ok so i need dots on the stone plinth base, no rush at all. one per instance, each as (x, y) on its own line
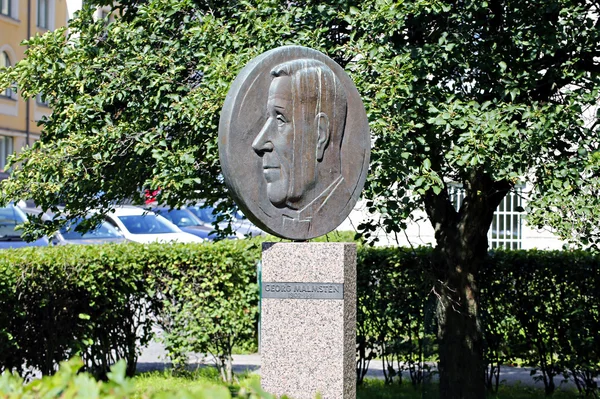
(308, 320)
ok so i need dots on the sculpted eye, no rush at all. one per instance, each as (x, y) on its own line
(280, 120)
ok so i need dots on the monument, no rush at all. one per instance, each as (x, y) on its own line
(294, 148)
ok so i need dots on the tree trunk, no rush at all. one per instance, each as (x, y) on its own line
(459, 332)
(461, 250)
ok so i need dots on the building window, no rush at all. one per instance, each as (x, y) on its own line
(41, 100)
(506, 230)
(104, 14)
(6, 149)
(42, 13)
(5, 7)
(5, 63)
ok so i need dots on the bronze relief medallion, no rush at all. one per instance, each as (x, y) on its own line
(294, 142)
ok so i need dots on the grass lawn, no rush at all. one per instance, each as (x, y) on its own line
(153, 382)
(149, 383)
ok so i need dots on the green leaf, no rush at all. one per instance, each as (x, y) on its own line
(427, 164)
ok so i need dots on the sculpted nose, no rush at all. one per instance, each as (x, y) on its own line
(262, 142)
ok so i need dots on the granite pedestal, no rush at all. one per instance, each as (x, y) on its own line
(308, 320)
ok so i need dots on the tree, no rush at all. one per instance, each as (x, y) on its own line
(136, 103)
(495, 99)
(485, 94)
(137, 100)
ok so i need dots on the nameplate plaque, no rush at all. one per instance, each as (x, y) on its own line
(302, 290)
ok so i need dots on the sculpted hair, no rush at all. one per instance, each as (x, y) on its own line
(314, 82)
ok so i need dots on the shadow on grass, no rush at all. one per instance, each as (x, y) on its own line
(159, 381)
(376, 389)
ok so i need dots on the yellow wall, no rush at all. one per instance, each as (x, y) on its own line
(15, 121)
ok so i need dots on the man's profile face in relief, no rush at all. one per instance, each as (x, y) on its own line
(300, 141)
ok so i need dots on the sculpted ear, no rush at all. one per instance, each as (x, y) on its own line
(322, 122)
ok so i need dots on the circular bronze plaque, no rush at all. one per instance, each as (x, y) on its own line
(294, 142)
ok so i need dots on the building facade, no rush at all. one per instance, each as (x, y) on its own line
(509, 227)
(19, 20)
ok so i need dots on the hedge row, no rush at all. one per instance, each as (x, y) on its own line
(539, 308)
(395, 313)
(100, 302)
(543, 308)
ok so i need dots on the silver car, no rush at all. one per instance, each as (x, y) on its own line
(102, 234)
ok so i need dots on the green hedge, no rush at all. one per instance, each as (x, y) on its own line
(208, 297)
(539, 308)
(63, 301)
(543, 308)
(100, 302)
(395, 312)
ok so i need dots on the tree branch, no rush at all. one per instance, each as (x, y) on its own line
(440, 210)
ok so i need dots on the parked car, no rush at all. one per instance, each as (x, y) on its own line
(139, 225)
(33, 211)
(241, 226)
(244, 226)
(187, 221)
(102, 234)
(10, 217)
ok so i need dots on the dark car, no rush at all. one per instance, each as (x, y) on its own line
(188, 222)
(10, 217)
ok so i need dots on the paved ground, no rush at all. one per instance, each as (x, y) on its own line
(154, 358)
